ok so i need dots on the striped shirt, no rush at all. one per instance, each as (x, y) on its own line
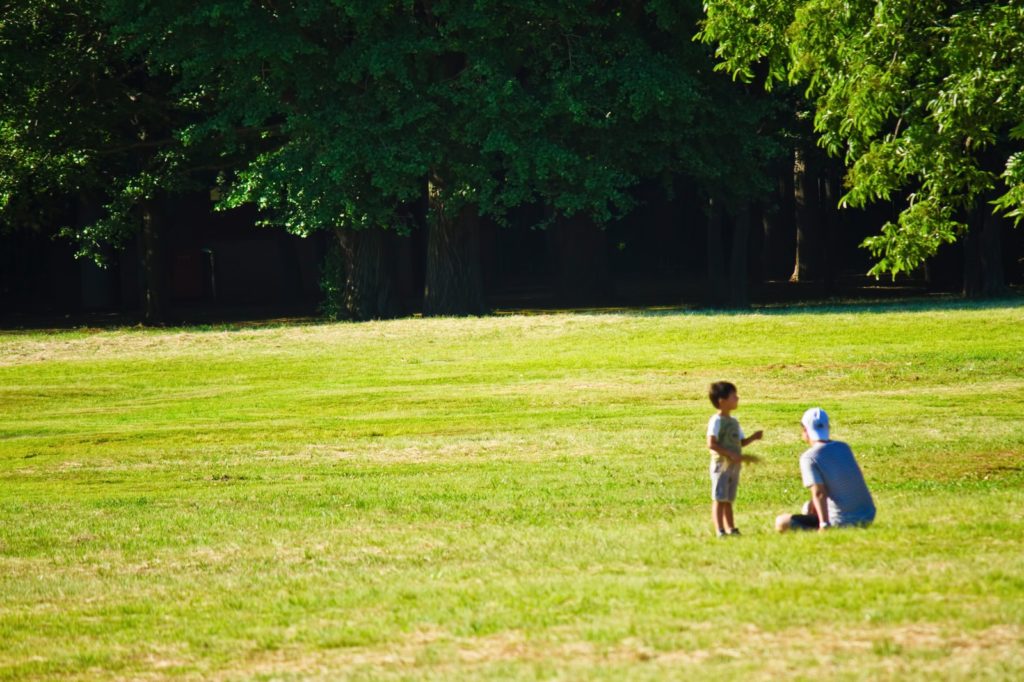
(832, 464)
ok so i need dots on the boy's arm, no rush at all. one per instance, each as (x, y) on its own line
(757, 435)
(714, 446)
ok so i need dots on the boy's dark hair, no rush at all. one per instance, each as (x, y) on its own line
(719, 390)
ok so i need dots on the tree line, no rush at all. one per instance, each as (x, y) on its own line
(358, 117)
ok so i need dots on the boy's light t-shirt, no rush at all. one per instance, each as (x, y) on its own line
(728, 432)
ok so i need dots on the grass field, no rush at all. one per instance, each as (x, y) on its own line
(520, 497)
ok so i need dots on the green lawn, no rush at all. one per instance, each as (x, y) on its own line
(518, 497)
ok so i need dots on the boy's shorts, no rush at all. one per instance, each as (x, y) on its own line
(725, 480)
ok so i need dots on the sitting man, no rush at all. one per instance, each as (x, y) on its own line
(839, 495)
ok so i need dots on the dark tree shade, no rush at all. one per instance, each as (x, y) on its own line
(484, 105)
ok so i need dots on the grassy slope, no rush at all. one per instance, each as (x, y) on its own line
(518, 497)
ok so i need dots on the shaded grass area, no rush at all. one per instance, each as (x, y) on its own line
(521, 497)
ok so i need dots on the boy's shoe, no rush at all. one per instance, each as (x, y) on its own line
(722, 534)
(734, 531)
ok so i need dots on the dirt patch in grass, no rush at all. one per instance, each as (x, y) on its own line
(389, 453)
(295, 339)
(133, 343)
(973, 466)
(915, 651)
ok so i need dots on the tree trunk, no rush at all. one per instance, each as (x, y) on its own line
(369, 291)
(453, 282)
(993, 279)
(582, 260)
(807, 214)
(98, 285)
(983, 254)
(739, 286)
(152, 275)
(778, 242)
(829, 221)
(972, 259)
(716, 292)
(755, 266)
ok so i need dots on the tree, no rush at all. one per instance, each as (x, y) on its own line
(745, 141)
(81, 123)
(480, 105)
(921, 99)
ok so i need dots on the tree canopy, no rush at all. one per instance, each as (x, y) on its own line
(357, 108)
(80, 121)
(923, 100)
(568, 103)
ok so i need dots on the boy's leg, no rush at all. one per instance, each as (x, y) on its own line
(732, 482)
(718, 516)
(719, 491)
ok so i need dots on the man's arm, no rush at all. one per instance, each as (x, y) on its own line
(715, 446)
(819, 498)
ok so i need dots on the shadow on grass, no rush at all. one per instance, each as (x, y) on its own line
(944, 302)
(833, 306)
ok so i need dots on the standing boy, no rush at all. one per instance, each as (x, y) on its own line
(726, 442)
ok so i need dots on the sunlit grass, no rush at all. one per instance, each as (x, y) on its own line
(520, 497)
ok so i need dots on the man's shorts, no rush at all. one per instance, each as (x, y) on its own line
(811, 522)
(725, 480)
(804, 522)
